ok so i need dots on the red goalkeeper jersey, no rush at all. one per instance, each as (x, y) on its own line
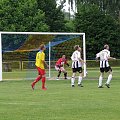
(61, 62)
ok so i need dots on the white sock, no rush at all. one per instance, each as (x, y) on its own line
(72, 80)
(100, 81)
(79, 80)
(109, 79)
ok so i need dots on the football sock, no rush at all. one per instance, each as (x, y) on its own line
(100, 81)
(65, 75)
(79, 80)
(72, 80)
(109, 79)
(37, 79)
(43, 82)
(59, 73)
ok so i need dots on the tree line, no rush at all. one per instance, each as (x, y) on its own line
(111, 7)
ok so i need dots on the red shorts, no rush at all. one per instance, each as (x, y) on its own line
(41, 71)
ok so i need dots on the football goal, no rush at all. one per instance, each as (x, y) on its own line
(18, 51)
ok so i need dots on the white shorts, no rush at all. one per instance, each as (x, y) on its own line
(59, 68)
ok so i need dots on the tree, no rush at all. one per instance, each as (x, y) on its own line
(53, 15)
(21, 15)
(100, 29)
(12, 42)
(111, 7)
(70, 26)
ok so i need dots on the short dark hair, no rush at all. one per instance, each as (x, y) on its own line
(42, 46)
(76, 47)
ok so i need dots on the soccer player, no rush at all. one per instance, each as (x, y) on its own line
(104, 57)
(77, 63)
(59, 66)
(40, 62)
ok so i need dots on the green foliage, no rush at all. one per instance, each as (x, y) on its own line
(21, 15)
(34, 41)
(70, 26)
(21, 45)
(65, 48)
(53, 15)
(100, 29)
(111, 7)
(12, 42)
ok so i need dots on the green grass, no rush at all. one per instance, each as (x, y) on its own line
(60, 102)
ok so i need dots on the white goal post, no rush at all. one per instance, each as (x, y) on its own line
(44, 33)
(0, 58)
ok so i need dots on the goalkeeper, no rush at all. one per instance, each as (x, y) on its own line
(59, 66)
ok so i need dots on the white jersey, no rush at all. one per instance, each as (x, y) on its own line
(103, 55)
(76, 56)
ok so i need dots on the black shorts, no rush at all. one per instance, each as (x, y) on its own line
(77, 70)
(106, 69)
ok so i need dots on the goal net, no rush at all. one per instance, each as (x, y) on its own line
(18, 51)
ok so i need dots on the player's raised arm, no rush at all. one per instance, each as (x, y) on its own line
(111, 58)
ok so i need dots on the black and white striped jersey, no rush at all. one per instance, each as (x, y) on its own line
(103, 55)
(76, 56)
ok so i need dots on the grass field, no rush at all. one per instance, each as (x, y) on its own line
(60, 102)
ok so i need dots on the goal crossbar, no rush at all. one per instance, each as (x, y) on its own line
(44, 33)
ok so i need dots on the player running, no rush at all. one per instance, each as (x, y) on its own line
(59, 66)
(77, 64)
(104, 57)
(40, 62)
